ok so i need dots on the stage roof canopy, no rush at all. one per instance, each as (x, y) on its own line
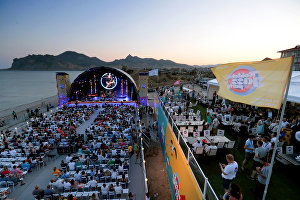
(103, 84)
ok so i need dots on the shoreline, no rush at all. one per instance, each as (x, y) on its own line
(6, 114)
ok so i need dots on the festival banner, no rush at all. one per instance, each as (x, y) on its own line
(259, 84)
(162, 125)
(153, 72)
(182, 182)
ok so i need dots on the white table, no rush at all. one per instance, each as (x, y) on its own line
(190, 123)
(192, 140)
(217, 139)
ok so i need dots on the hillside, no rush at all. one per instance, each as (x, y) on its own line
(71, 60)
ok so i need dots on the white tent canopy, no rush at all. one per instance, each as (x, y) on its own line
(294, 91)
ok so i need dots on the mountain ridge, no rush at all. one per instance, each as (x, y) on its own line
(71, 60)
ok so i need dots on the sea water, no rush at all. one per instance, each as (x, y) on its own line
(23, 87)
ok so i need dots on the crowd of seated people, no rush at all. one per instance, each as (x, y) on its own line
(244, 119)
(27, 149)
(255, 127)
(100, 166)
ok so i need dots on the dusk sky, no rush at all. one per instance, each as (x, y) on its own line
(190, 32)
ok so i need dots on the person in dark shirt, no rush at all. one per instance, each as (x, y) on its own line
(38, 191)
(49, 191)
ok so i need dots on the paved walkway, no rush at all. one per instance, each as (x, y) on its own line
(43, 176)
(136, 177)
(86, 124)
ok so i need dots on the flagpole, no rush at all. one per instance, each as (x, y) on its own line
(278, 132)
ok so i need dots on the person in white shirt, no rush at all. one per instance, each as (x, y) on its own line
(68, 158)
(267, 143)
(67, 184)
(284, 123)
(120, 168)
(4, 153)
(215, 125)
(13, 152)
(104, 189)
(273, 137)
(123, 153)
(212, 145)
(113, 152)
(209, 110)
(118, 188)
(59, 184)
(114, 174)
(196, 145)
(92, 183)
(71, 166)
(228, 171)
(77, 176)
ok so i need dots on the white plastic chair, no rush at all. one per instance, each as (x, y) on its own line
(212, 152)
(206, 133)
(199, 150)
(220, 145)
(220, 132)
(191, 129)
(196, 134)
(289, 150)
(229, 145)
(185, 133)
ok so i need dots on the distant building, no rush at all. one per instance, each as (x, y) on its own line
(293, 51)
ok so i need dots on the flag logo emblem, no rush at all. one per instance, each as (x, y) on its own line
(244, 80)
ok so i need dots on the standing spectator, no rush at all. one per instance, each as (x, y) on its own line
(266, 143)
(209, 121)
(131, 196)
(284, 123)
(286, 134)
(260, 126)
(137, 152)
(260, 153)
(214, 97)
(249, 151)
(14, 115)
(228, 171)
(234, 192)
(261, 179)
(215, 125)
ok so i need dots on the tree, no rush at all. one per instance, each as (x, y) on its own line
(124, 68)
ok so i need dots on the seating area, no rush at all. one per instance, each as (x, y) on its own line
(100, 165)
(30, 148)
(192, 128)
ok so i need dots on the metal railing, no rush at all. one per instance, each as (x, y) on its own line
(142, 153)
(203, 183)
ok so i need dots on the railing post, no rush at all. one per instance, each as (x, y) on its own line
(205, 188)
(188, 158)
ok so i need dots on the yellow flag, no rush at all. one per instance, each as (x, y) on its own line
(259, 84)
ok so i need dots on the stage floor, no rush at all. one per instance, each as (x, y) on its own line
(100, 103)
